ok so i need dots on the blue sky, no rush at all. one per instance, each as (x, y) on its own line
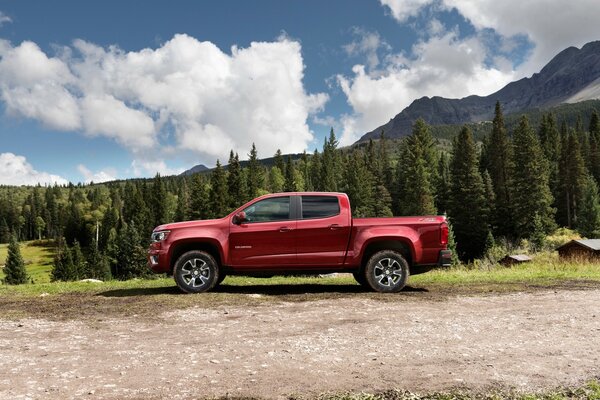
(104, 90)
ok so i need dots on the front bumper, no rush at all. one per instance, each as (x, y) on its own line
(158, 259)
(445, 258)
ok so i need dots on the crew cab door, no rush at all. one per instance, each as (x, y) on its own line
(323, 230)
(268, 236)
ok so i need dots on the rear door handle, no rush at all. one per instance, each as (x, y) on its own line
(285, 229)
(333, 227)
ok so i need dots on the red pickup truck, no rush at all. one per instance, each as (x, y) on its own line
(299, 233)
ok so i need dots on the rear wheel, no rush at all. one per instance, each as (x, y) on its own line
(387, 271)
(196, 272)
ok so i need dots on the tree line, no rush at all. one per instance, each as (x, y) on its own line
(516, 185)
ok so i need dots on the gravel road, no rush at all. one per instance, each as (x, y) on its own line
(525, 341)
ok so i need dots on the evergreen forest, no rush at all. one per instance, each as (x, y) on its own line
(516, 183)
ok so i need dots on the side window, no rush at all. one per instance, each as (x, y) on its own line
(273, 209)
(319, 206)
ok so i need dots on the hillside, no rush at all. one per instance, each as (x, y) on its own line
(571, 76)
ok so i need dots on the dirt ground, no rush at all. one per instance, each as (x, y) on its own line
(524, 341)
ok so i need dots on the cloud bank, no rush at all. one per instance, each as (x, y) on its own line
(185, 96)
(17, 171)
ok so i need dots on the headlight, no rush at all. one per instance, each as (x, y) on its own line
(159, 236)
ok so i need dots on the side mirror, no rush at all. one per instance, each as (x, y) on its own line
(239, 218)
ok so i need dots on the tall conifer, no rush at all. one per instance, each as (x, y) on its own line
(501, 170)
(235, 182)
(530, 183)
(290, 176)
(219, 196)
(200, 198)
(255, 174)
(468, 207)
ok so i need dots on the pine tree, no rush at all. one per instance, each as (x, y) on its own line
(378, 163)
(571, 181)
(452, 244)
(135, 208)
(236, 182)
(278, 160)
(359, 186)
(330, 171)
(199, 201)
(98, 264)
(131, 256)
(63, 268)
(589, 210)
(538, 236)
(501, 168)
(595, 146)
(290, 176)
(304, 170)
(443, 184)
(385, 164)
(14, 270)
(490, 196)
(79, 262)
(255, 174)
(158, 201)
(468, 207)
(315, 172)
(182, 212)
(531, 193)
(218, 197)
(418, 175)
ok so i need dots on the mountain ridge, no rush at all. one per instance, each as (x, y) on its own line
(573, 75)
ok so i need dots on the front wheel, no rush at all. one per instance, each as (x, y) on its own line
(196, 272)
(361, 279)
(387, 271)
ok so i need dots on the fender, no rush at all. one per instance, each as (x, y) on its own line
(364, 237)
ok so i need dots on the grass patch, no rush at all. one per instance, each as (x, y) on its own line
(545, 269)
(38, 256)
(588, 391)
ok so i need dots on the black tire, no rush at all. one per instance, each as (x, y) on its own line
(222, 277)
(196, 272)
(361, 279)
(387, 271)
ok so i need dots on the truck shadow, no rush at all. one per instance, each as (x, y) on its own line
(266, 290)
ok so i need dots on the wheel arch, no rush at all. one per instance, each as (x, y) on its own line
(182, 247)
(403, 247)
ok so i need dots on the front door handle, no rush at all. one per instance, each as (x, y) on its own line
(333, 227)
(285, 229)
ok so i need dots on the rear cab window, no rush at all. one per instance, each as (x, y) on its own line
(320, 207)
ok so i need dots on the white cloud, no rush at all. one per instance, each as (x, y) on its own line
(186, 94)
(442, 66)
(109, 174)
(17, 171)
(151, 168)
(551, 25)
(367, 44)
(4, 18)
(404, 9)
